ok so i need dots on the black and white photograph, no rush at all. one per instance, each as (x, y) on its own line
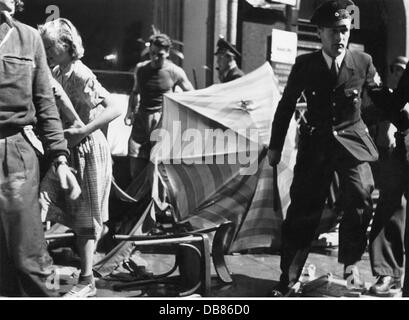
(199, 156)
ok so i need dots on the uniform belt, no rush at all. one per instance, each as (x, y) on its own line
(8, 132)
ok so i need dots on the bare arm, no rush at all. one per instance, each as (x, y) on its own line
(77, 134)
(184, 83)
(110, 113)
(133, 102)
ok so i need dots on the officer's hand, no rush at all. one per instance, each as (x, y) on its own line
(129, 118)
(274, 157)
(68, 181)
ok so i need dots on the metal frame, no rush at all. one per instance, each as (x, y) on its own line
(188, 247)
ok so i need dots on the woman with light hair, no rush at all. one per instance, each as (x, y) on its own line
(90, 153)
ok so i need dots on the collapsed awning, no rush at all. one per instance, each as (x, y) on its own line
(206, 194)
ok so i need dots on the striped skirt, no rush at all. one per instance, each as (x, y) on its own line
(86, 215)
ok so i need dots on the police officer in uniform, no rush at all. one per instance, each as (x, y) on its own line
(227, 57)
(333, 139)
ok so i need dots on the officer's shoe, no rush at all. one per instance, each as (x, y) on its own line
(386, 286)
(354, 281)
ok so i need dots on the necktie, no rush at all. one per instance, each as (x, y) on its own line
(334, 71)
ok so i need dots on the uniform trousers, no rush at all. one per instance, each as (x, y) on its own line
(317, 159)
(388, 236)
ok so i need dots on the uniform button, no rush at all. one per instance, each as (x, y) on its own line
(334, 104)
(335, 133)
(313, 93)
(334, 119)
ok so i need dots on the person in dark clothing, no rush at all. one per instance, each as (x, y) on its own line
(227, 56)
(26, 100)
(334, 138)
(388, 237)
(381, 130)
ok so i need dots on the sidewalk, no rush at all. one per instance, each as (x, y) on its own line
(253, 275)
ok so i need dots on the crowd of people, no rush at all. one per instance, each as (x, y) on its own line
(52, 104)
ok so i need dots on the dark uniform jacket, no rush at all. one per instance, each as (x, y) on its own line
(401, 94)
(394, 111)
(333, 109)
(233, 74)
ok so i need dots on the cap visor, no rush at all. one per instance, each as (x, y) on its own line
(337, 23)
(400, 65)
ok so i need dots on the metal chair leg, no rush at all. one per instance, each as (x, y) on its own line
(218, 250)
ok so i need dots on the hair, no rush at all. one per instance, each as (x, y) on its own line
(19, 5)
(161, 40)
(63, 30)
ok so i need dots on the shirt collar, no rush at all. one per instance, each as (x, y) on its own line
(6, 17)
(338, 59)
(231, 67)
(66, 72)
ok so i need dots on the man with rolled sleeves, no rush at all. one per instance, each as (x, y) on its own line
(334, 138)
(227, 56)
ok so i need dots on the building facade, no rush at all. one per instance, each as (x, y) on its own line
(119, 29)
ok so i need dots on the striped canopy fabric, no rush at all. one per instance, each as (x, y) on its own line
(211, 158)
(210, 164)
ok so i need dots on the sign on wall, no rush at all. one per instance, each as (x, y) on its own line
(283, 54)
(290, 2)
(279, 4)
